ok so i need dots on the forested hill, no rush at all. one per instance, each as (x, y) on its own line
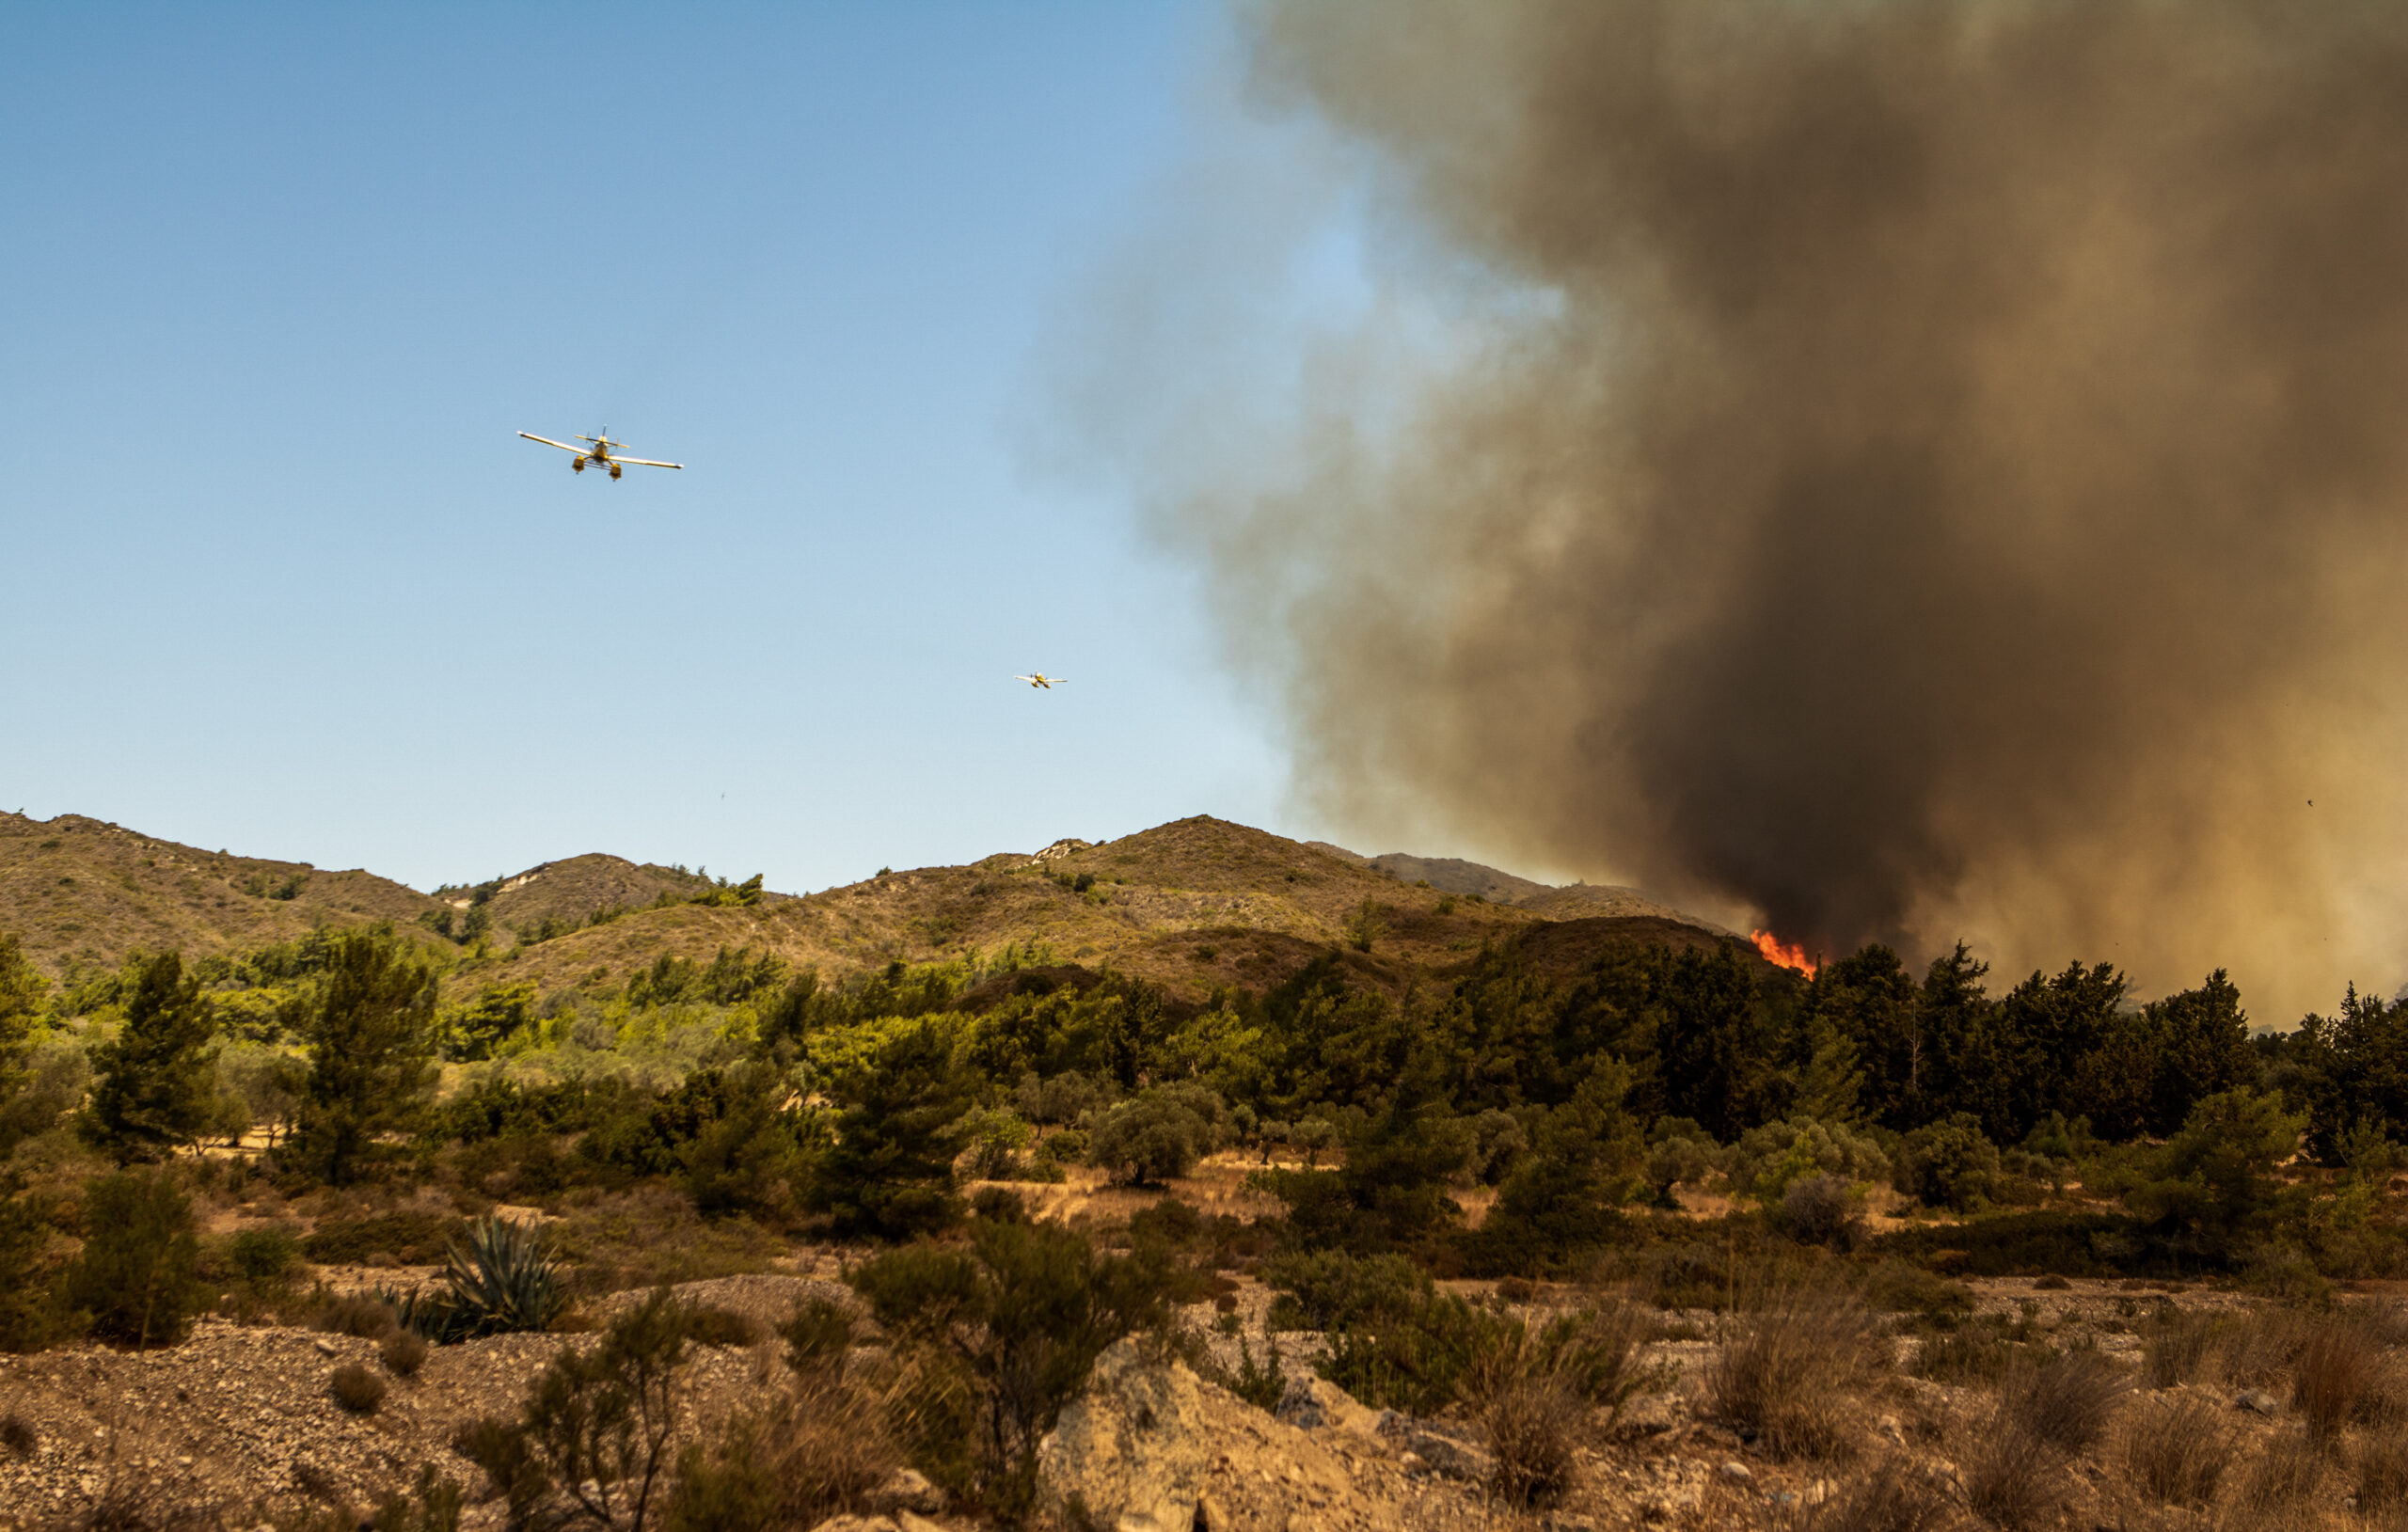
(1194, 905)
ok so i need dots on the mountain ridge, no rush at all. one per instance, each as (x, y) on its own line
(1194, 905)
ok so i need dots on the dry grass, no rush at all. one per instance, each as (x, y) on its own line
(2183, 1348)
(2176, 1449)
(2382, 1472)
(1532, 1424)
(1890, 1497)
(1533, 1396)
(815, 1450)
(355, 1313)
(2012, 1478)
(2282, 1487)
(1786, 1377)
(2333, 1378)
(2066, 1403)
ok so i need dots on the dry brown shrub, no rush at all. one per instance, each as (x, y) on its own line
(18, 1435)
(1532, 1425)
(2333, 1378)
(815, 1450)
(2259, 1350)
(403, 1352)
(1534, 1391)
(357, 1389)
(1890, 1497)
(2067, 1402)
(2176, 1449)
(1788, 1375)
(2012, 1478)
(355, 1313)
(134, 1499)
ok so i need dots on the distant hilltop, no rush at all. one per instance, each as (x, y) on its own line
(1573, 901)
(1194, 905)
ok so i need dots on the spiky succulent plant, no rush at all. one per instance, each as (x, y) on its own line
(504, 1277)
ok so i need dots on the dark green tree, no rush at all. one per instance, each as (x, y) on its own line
(372, 1046)
(1869, 1001)
(889, 1172)
(2353, 1069)
(2199, 1047)
(153, 1090)
(136, 1282)
(1563, 1199)
(22, 989)
(2214, 1179)
(1392, 1189)
(1714, 1058)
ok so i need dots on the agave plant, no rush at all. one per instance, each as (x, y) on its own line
(504, 1278)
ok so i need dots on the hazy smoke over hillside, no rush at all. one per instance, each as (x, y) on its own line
(1940, 471)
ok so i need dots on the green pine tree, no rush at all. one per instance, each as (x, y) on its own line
(889, 1172)
(153, 1090)
(372, 1044)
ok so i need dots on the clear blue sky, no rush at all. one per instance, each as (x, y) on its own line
(277, 284)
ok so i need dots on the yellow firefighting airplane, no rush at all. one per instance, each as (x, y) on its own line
(599, 453)
(1040, 679)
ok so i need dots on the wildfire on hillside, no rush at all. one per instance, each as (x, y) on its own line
(1790, 955)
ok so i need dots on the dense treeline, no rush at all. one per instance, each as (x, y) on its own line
(858, 1109)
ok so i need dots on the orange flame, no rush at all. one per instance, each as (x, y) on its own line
(1789, 955)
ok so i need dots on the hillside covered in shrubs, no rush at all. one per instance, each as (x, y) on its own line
(1408, 1102)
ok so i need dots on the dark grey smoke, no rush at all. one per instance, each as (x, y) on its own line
(1941, 468)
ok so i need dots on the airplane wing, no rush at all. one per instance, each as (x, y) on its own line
(549, 442)
(644, 462)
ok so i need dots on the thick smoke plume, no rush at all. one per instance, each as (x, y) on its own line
(1933, 470)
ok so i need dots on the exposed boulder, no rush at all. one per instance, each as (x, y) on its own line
(1318, 1404)
(1132, 1452)
(1151, 1448)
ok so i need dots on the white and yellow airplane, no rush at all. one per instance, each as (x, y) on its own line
(599, 453)
(1040, 679)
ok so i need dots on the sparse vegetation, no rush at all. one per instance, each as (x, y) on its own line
(1786, 1376)
(1447, 1147)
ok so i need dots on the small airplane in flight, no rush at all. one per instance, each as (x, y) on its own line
(1040, 679)
(599, 453)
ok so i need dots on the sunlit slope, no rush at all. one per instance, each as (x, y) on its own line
(1193, 906)
(79, 893)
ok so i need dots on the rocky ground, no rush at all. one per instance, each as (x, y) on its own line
(247, 1416)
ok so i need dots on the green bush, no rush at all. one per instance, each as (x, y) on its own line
(264, 1256)
(818, 1336)
(29, 1318)
(1331, 1289)
(1002, 1336)
(1159, 1134)
(1949, 1164)
(137, 1280)
(1767, 1158)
